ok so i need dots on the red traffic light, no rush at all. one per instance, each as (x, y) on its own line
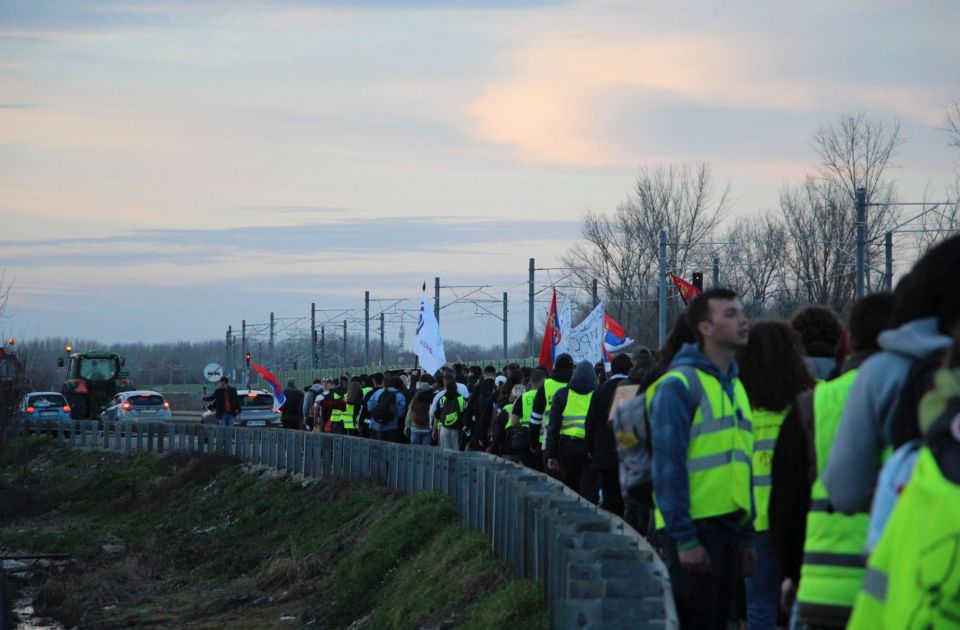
(248, 358)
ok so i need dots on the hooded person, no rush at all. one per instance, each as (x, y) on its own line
(540, 409)
(566, 448)
(417, 425)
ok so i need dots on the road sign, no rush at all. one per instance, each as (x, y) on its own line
(212, 372)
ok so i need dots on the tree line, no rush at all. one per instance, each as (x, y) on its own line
(799, 252)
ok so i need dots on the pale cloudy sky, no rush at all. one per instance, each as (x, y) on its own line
(169, 168)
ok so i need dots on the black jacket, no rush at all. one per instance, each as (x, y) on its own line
(583, 381)
(293, 403)
(218, 399)
(601, 443)
(479, 411)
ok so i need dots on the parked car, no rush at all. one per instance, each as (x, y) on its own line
(45, 406)
(139, 406)
(256, 410)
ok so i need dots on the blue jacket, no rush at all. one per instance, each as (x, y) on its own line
(671, 414)
(401, 410)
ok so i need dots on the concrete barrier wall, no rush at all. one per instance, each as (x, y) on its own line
(597, 572)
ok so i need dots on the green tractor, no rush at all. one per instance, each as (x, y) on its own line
(93, 379)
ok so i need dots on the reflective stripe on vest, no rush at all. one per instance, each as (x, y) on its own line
(550, 388)
(337, 415)
(527, 405)
(833, 565)
(348, 422)
(720, 452)
(913, 575)
(575, 414)
(766, 429)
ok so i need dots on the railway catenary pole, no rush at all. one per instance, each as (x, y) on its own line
(662, 323)
(596, 297)
(505, 355)
(716, 271)
(227, 363)
(345, 362)
(436, 298)
(888, 261)
(366, 328)
(313, 335)
(273, 355)
(383, 345)
(323, 346)
(243, 351)
(861, 240)
(530, 311)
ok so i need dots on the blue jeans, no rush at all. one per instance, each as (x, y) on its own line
(763, 587)
(420, 437)
(227, 420)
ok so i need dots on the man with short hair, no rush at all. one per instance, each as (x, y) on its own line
(290, 410)
(226, 403)
(702, 454)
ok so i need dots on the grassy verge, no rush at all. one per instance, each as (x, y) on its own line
(208, 542)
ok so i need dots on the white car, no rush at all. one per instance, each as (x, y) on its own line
(139, 406)
(256, 410)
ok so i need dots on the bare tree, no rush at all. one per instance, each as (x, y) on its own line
(754, 263)
(953, 122)
(621, 249)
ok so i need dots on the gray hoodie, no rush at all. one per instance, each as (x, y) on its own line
(857, 453)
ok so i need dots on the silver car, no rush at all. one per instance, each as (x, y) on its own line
(256, 410)
(139, 406)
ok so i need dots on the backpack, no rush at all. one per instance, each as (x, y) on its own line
(631, 427)
(905, 425)
(450, 412)
(385, 409)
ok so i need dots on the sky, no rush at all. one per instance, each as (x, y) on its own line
(168, 169)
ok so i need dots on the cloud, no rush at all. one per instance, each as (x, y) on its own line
(18, 105)
(203, 247)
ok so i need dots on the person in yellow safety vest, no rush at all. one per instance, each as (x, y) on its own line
(566, 447)
(834, 541)
(353, 400)
(702, 459)
(521, 418)
(509, 441)
(773, 373)
(912, 578)
(542, 402)
(363, 417)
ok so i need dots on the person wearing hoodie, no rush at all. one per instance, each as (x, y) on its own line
(540, 409)
(926, 310)
(566, 448)
(309, 396)
(417, 425)
(702, 452)
(291, 411)
(804, 444)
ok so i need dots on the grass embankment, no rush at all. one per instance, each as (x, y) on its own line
(208, 542)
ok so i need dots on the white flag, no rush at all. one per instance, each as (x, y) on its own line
(428, 345)
(585, 341)
(563, 325)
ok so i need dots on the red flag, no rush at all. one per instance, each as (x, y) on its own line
(551, 335)
(687, 290)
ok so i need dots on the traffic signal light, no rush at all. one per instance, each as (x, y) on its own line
(248, 359)
(698, 280)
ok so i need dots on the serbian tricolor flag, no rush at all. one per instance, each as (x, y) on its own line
(687, 290)
(551, 336)
(268, 376)
(614, 337)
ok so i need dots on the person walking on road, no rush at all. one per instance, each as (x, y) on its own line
(566, 449)
(291, 410)
(226, 403)
(702, 454)
(448, 410)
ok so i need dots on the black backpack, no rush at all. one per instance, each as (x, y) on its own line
(449, 406)
(385, 410)
(905, 425)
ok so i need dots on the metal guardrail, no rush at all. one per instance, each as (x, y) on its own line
(597, 572)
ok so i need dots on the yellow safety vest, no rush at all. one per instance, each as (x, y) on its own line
(366, 390)
(913, 575)
(766, 429)
(550, 388)
(348, 422)
(833, 563)
(720, 452)
(575, 414)
(527, 402)
(337, 415)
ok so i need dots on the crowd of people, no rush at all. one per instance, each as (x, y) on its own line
(799, 472)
